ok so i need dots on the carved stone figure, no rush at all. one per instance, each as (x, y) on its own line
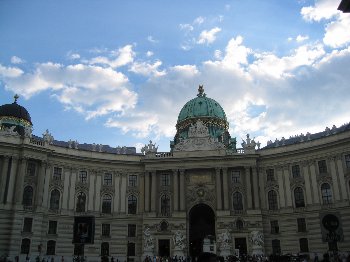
(28, 131)
(148, 243)
(150, 148)
(48, 137)
(257, 238)
(179, 240)
(224, 240)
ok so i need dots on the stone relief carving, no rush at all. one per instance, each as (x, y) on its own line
(256, 238)
(224, 240)
(9, 131)
(179, 240)
(148, 244)
(200, 193)
(198, 139)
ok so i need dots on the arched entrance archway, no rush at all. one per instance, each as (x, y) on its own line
(201, 224)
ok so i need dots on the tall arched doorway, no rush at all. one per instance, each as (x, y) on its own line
(201, 224)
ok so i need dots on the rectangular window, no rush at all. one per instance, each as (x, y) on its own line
(106, 230)
(270, 174)
(132, 180)
(27, 224)
(296, 171)
(131, 230)
(275, 229)
(304, 245)
(276, 247)
(301, 224)
(236, 176)
(322, 166)
(52, 227)
(57, 173)
(31, 169)
(347, 161)
(165, 180)
(107, 179)
(83, 176)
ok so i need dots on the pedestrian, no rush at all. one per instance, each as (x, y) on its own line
(62, 259)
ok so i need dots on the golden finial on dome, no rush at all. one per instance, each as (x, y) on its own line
(16, 98)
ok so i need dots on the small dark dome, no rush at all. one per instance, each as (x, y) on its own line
(15, 110)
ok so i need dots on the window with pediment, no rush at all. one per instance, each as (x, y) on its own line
(55, 199)
(299, 197)
(165, 179)
(81, 202)
(132, 204)
(107, 204)
(27, 196)
(237, 201)
(272, 200)
(322, 166)
(326, 192)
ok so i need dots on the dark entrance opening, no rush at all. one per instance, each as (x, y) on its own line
(164, 247)
(241, 244)
(201, 224)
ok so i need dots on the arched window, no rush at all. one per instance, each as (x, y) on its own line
(299, 197)
(107, 204)
(81, 202)
(25, 246)
(239, 224)
(237, 201)
(28, 196)
(51, 247)
(55, 199)
(272, 198)
(326, 193)
(165, 205)
(105, 249)
(132, 204)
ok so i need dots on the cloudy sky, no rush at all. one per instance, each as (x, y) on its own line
(119, 72)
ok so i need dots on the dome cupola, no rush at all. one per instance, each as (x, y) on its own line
(15, 115)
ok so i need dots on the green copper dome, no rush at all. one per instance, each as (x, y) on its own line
(201, 106)
(206, 110)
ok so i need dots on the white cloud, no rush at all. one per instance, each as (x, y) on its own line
(124, 56)
(147, 69)
(199, 20)
(16, 60)
(301, 38)
(152, 40)
(337, 32)
(208, 37)
(10, 72)
(186, 27)
(149, 53)
(323, 9)
(74, 56)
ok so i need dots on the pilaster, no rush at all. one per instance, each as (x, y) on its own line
(218, 189)
(249, 187)
(182, 190)
(225, 188)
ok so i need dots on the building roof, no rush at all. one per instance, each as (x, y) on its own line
(15, 110)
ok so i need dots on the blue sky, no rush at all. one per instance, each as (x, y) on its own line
(119, 72)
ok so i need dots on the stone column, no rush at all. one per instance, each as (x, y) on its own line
(176, 190)
(225, 188)
(21, 172)
(249, 187)
(3, 177)
(306, 174)
(147, 191)
(41, 182)
(218, 189)
(288, 191)
(341, 177)
(336, 188)
(281, 191)
(182, 190)
(11, 184)
(314, 184)
(153, 192)
(255, 188)
(262, 180)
